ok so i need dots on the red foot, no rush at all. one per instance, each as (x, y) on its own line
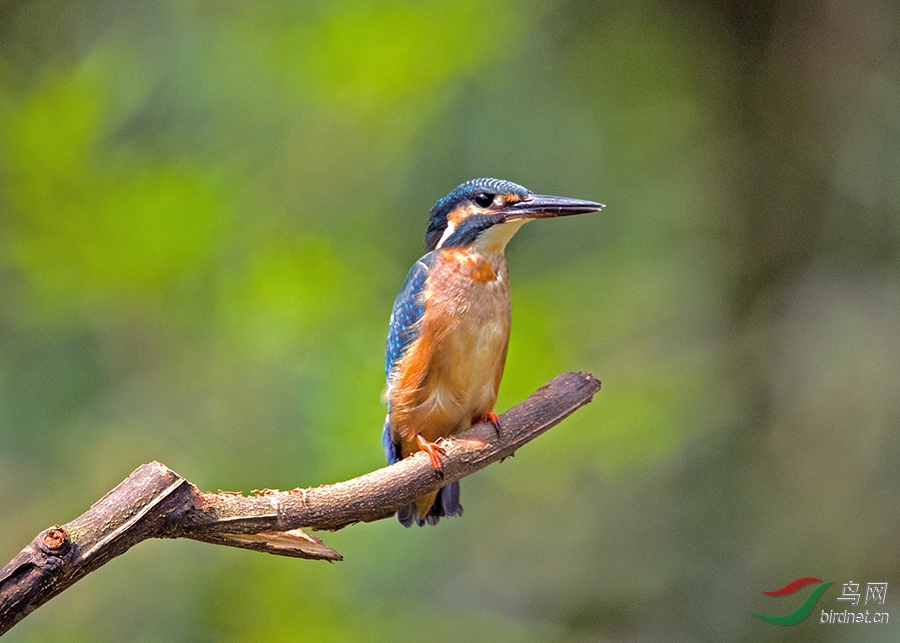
(432, 450)
(489, 417)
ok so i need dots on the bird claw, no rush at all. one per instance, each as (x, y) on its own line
(432, 449)
(492, 418)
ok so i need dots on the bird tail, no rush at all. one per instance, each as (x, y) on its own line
(445, 504)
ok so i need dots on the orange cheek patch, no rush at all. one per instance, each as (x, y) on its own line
(459, 215)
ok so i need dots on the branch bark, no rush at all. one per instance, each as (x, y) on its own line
(156, 502)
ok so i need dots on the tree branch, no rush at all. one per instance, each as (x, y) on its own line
(156, 502)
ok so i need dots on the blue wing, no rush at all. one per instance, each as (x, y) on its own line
(408, 309)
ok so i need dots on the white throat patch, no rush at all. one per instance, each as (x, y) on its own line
(495, 238)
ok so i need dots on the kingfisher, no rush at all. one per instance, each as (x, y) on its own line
(449, 328)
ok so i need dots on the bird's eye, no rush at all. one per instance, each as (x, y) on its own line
(483, 199)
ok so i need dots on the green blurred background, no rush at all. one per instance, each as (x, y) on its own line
(207, 208)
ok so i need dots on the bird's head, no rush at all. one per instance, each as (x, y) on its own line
(488, 212)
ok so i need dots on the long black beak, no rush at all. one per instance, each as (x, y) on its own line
(541, 206)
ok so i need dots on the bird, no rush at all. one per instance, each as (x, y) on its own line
(450, 324)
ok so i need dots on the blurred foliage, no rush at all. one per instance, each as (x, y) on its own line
(206, 210)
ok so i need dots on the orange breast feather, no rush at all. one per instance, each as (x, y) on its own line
(451, 372)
